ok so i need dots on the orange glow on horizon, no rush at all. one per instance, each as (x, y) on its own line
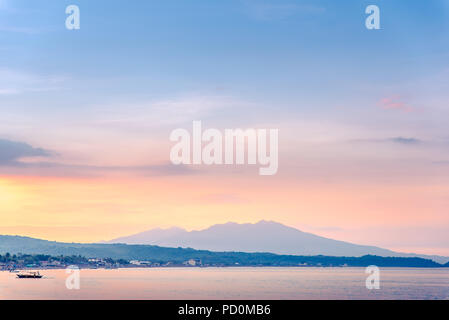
(103, 208)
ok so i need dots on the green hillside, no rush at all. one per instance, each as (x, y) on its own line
(24, 245)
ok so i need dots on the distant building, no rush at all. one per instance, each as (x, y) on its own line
(193, 262)
(140, 263)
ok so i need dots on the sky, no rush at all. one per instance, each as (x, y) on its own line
(362, 116)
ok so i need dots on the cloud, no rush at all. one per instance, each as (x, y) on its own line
(403, 140)
(398, 140)
(395, 103)
(166, 169)
(167, 112)
(57, 169)
(15, 82)
(11, 152)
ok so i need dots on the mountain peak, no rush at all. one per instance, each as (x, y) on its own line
(262, 236)
(258, 223)
(268, 222)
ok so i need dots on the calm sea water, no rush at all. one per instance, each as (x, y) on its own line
(231, 283)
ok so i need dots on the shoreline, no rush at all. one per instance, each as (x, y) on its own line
(15, 271)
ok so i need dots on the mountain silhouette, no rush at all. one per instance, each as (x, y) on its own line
(264, 236)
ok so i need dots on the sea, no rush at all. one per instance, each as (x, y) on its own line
(236, 283)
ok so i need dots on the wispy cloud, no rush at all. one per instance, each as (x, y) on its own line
(395, 103)
(165, 112)
(397, 140)
(15, 82)
(14, 156)
(402, 140)
(12, 152)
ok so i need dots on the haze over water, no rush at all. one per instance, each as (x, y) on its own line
(231, 283)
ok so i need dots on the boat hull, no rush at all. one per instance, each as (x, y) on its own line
(26, 276)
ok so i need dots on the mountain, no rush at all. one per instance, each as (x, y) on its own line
(264, 236)
(177, 256)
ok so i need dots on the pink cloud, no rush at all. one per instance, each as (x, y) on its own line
(395, 103)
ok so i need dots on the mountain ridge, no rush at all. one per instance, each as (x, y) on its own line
(263, 236)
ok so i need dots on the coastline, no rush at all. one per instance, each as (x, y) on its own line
(219, 267)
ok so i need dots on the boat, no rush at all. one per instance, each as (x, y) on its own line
(29, 275)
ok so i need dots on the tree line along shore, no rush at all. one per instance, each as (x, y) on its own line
(225, 259)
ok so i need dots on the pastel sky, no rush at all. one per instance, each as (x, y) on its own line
(363, 117)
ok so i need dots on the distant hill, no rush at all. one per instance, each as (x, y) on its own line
(24, 245)
(264, 236)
